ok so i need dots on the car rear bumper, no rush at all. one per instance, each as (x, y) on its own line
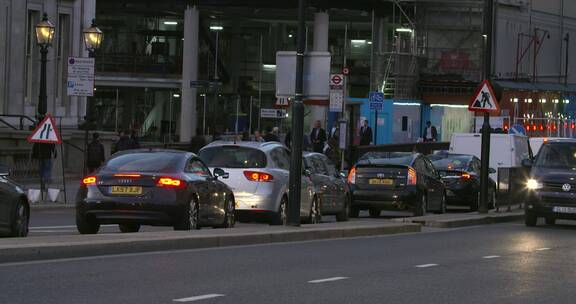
(140, 213)
(385, 199)
(256, 203)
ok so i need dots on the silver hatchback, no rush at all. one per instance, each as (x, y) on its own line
(259, 178)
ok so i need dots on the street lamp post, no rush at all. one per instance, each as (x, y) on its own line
(92, 41)
(44, 37)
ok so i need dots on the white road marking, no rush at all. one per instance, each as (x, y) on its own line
(426, 265)
(199, 298)
(491, 257)
(328, 280)
(543, 249)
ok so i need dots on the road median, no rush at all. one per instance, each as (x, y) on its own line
(455, 220)
(57, 247)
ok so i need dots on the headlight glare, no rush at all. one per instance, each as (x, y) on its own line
(533, 184)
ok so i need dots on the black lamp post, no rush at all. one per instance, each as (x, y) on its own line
(44, 37)
(92, 40)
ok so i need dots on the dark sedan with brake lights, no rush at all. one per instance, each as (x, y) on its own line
(396, 181)
(154, 187)
(551, 188)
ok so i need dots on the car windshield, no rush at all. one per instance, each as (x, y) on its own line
(557, 155)
(452, 163)
(143, 162)
(233, 157)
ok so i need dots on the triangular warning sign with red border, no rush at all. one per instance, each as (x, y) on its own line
(484, 99)
(46, 132)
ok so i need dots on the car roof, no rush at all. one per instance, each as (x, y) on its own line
(560, 140)
(450, 155)
(250, 144)
(152, 150)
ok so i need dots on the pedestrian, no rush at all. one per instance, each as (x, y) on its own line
(258, 136)
(365, 134)
(430, 134)
(270, 136)
(197, 142)
(318, 137)
(124, 142)
(135, 140)
(44, 153)
(95, 155)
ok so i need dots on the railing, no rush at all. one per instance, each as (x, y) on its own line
(21, 118)
(139, 64)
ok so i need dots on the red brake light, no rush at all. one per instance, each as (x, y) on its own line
(254, 176)
(89, 180)
(412, 176)
(169, 182)
(352, 176)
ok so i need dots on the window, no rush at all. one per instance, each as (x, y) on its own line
(281, 158)
(197, 167)
(319, 166)
(233, 157)
(157, 162)
(332, 170)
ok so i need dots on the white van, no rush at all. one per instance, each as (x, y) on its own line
(506, 150)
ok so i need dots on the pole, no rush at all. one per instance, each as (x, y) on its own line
(250, 117)
(485, 151)
(375, 127)
(170, 120)
(89, 121)
(204, 116)
(261, 62)
(43, 98)
(297, 123)
(62, 164)
(237, 114)
(116, 113)
(567, 38)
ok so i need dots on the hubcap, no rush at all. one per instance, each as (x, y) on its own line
(193, 214)
(230, 214)
(314, 212)
(283, 212)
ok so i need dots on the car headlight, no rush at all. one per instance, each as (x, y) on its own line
(533, 184)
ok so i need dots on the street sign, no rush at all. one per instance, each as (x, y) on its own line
(273, 113)
(336, 79)
(345, 71)
(336, 100)
(316, 75)
(80, 80)
(282, 101)
(376, 100)
(484, 99)
(517, 129)
(46, 132)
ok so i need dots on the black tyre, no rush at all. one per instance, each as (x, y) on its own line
(420, 207)
(550, 221)
(344, 215)
(374, 212)
(86, 225)
(229, 214)
(280, 217)
(315, 215)
(442, 206)
(191, 220)
(530, 219)
(20, 220)
(129, 228)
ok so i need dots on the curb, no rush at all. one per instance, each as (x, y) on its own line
(179, 241)
(42, 206)
(465, 222)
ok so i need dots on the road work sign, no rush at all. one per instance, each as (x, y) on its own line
(484, 99)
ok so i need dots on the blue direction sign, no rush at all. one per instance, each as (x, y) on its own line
(376, 100)
(517, 129)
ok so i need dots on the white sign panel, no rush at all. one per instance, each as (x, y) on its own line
(316, 75)
(336, 100)
(80, 76)
(272, 113)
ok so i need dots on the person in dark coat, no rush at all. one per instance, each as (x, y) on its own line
(96, 155)
(197, 142)
(270, 136)
(44, 153)
(365, 134)
(318, 137)
(430, 133)
(124, 143)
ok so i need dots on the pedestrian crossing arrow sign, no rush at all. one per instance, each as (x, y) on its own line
(484, 99)
(46, 132)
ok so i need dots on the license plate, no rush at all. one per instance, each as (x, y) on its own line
(380, 181)
(126, 190)
(570, 210)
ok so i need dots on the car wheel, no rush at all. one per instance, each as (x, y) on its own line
(315, 214)
(280, 217)
(421, 207)
(129, 228)
(86, 225)
(550, 221)
(192, 218)
(374, 212)
(20, 221)
(530, 219)
(442, 205)
(229, 215)
(344, 215)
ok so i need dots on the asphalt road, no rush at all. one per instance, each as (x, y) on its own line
(506, 263)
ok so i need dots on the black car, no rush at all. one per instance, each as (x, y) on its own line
(551, 187)
(461, 176)
(331, 187)
(154, 187)
(14, 207)
(396, 181)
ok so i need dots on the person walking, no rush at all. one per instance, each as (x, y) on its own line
(44, 153)
(197, 142)
(430, 134)
(318, 137)
(270, 136)
(258, 136)
(365, 134)
(124, 143)
(95, 156)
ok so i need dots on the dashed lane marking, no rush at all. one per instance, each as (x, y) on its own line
(491, 257)
(543, 249)
(328, 280)
(198, 298)
(426, 265)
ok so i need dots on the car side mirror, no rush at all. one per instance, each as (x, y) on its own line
(218, 172)
(491, 170)
(527, 163)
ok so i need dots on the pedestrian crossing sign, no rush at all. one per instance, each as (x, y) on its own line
(484, 99)
(46, 132)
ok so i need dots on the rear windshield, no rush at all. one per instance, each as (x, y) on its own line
(557, 156)
(452, 163)
(380, 155)
(400, 160)
(233, 157)
(144, 162)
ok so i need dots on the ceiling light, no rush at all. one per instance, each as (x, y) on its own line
(404, 30)
(216, 27)
(170, 23)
